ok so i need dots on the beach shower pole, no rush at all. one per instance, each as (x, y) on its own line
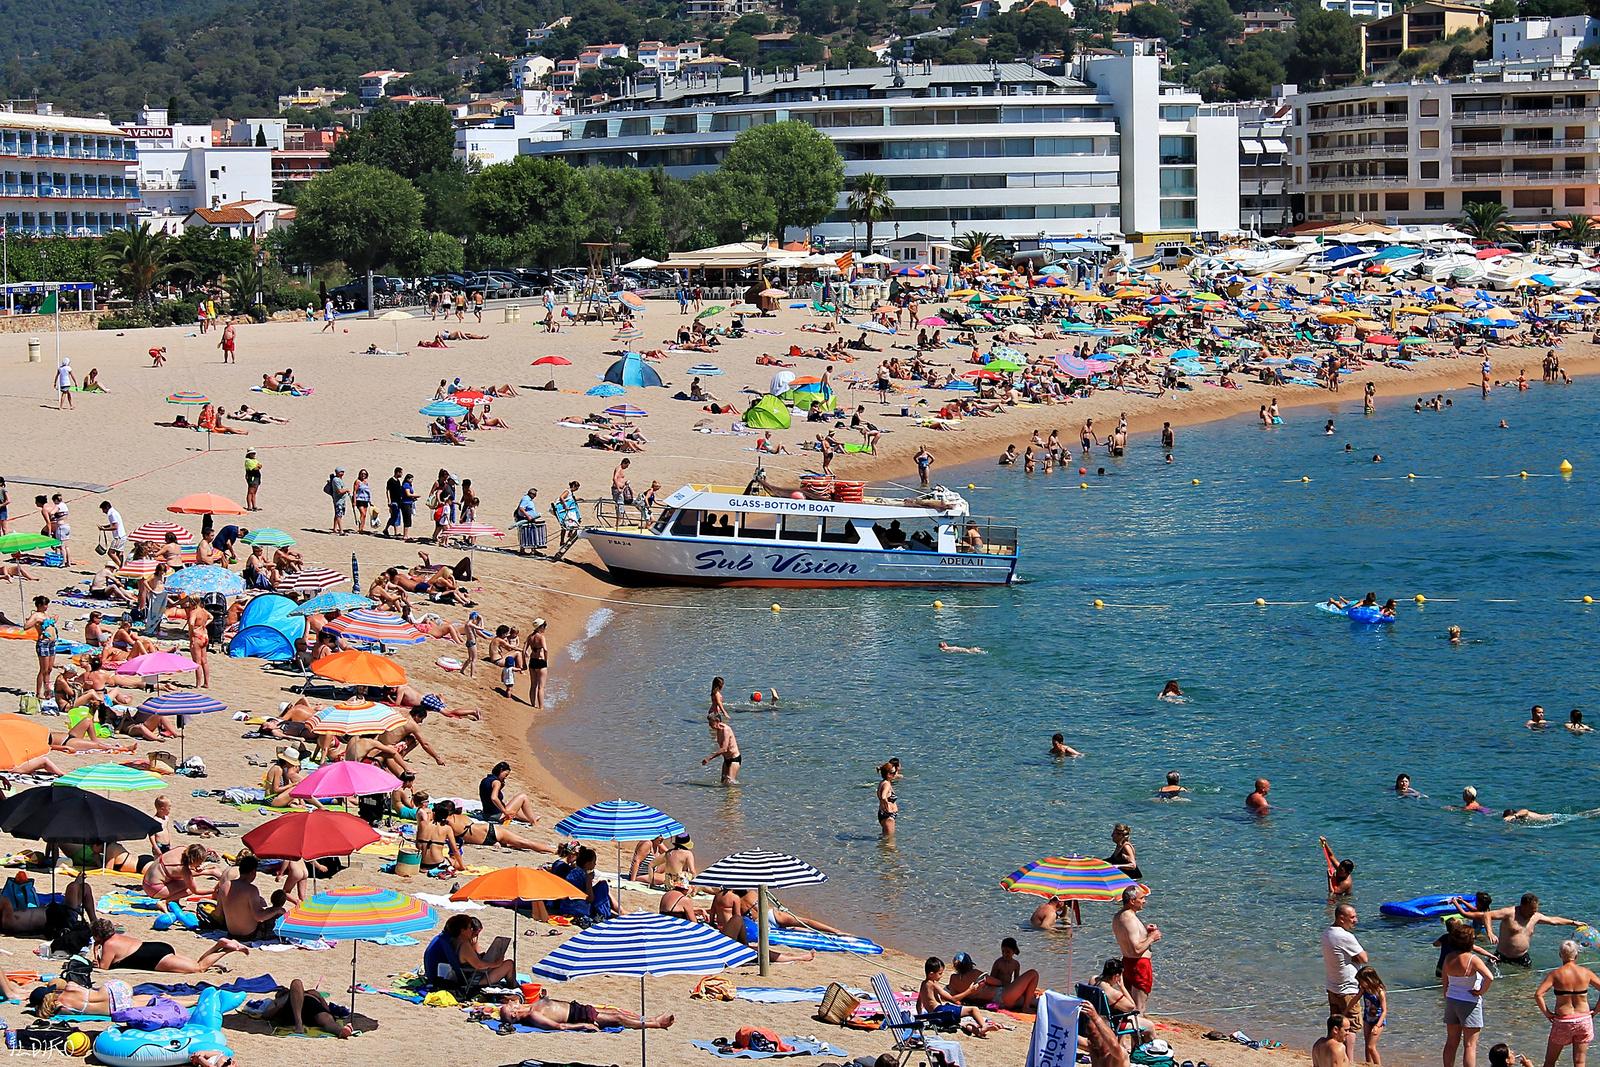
(762, 948)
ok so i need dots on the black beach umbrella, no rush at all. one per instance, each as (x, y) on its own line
(61, 814)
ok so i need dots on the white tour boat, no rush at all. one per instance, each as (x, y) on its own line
(764, 536)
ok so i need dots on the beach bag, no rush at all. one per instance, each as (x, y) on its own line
(21, 894)
(837, 1004)
(328, 486)
(160, 1013)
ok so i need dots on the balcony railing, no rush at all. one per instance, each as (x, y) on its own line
(167, 185)
(1365, 179)
(1519, 114)
(1357, 120)
(1521, 148)
(1526, 177)
(1358, 150)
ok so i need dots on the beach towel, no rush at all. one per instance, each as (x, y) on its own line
(117, 902)
(282, 392)
(398, 994)
(439, 900)
(802, 1047)
(761, 995)
(263, 983)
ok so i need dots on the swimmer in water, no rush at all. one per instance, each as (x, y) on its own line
(1059, 747)
(1327, 431)
(1377, 459)
(1402, 788)
(1524, 815)
(957, 648)
(1170, 692)
(1257, 801)
(1576, 725)
(1536, 719)
(1370, 600)
(1337, 602)
(1349, 448)
(1172, 790)
(1469, 800)
(1454, 633)
(1503, 425)
(1387, 611)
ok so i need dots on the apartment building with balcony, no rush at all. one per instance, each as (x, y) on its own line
(1382, 40)
(64, 175)
(183, 167)
(1418, 152)
(1265, 167)
(1005, 148)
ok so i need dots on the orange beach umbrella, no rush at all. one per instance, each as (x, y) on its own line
(205, 504)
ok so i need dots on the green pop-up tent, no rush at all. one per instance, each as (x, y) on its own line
(768, 413)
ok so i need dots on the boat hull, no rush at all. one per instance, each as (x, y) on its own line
(645, 559)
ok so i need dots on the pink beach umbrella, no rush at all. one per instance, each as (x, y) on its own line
(155, 663)
(345, 779)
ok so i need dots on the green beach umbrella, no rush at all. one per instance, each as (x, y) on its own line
(1002, 365)
(12, 544)
(269, 537)
(109, 776)
(714, 309)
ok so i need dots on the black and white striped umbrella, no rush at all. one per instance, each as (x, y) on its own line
(756, 868)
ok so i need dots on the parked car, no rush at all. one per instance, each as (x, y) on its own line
(352, 296)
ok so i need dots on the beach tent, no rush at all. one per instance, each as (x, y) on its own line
(267, 630)
(631, 370)
(768, 413)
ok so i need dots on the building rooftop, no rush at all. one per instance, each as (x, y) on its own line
(22, 120)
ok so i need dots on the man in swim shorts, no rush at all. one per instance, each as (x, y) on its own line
(1514, 943)
(1136, 938)
(547, 1014)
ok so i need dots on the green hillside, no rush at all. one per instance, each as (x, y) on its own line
(28, 29)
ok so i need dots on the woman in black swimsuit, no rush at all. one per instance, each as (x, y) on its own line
(436, 841)
(538, 651)
(1123, 857)
(888, 800)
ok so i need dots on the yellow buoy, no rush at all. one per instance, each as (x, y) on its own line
(971, 486)
(1587, 599)
(1083, 485)
(937, 604)
(1261, 602)
(1421, 599)
(1195, 482)
(1099, 603)
(1410, 475)
(1566, 466)
(1303, 478)
(1524, 474)
(776, 608)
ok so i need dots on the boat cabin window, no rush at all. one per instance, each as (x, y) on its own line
(800, 528)
(839, 532)
(714, 525)
(890, 536)
(684, 522)
(758, 525)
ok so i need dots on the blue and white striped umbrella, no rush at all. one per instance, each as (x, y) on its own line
(182, 702)
(705, 370)
(618, 820)
(758, 867)
(197, 581)
(643, 944)
(323, 603)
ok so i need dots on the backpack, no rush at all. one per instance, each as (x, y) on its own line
(328, 486)
(160, 1013)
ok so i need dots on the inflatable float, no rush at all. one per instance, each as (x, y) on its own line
(811, 939)
(1430, 907)
(1362, 614)
(171, 1046)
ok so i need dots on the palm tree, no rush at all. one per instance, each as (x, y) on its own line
(976, 244)
(139, 260)
(242, 286)
(1486, 221)
(870, 202)
(1580, 229)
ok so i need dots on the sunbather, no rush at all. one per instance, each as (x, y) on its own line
(547, 1014)
(120, 951)
(302, 1005)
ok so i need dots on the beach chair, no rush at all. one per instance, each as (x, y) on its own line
(906, 1029)
(1123, 1024)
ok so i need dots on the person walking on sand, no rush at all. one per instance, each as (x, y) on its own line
(327, 316)
(1342, 955)
(727, 748)
(1136, 938)
(229, 340)
(1572, 1021)
(252, 480)
(536, 653)
(65, 383)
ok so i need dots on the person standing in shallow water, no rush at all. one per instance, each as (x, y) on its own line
(888, 799)
(727, 748)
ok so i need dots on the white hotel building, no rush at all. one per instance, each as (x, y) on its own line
(1002, 148)
(64, 176)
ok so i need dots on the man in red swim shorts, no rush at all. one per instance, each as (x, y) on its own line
(1135, 937)
(229, 339)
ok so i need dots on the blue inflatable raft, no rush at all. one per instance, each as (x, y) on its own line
(1430, 907)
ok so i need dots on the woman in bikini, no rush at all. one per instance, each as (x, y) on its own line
(537, 650)
(43, 624)
(489, 835)
(888, 800)
(436, 841)
(1122, 856)
(197, 619)
(172, 874)
(282, 777)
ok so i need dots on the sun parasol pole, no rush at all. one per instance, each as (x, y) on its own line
(762, 948)
(644, 1053)
(353, 942)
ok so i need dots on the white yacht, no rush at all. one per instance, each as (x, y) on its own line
(820, 537)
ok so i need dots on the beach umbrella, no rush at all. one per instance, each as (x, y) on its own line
(553, 361)
(62, 814)
(773, 293)
(188, 397)
(359, 668)
(156, 532)
(16, 543)
(200, 581)
(618, 820)
(760, 870)
(514, 885)
(633, 300)
(1004, 365)
(606, 389)
(714, 309)
(627, 411)
(705, 370)
(932, 320)
(628, 333)
(356, 913)
(744, 309)
(153, 664)
(267, 537)
(1069, 878)
(204, 504)
(323, 603)
(987, 375)
(377, 626)
(395, 317)
(310, 580)
(440, 409)
(311, 835)
(473, 529)
(182, 702)
(137, 568)
(109, 776)
(21, 739)
(643, 944)
(343, 780)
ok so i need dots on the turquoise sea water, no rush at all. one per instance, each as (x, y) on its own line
(1329, 712)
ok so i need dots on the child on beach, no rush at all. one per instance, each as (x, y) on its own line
(937, 1006)
(1374, 1010)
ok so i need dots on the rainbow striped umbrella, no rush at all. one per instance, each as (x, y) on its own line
(156, 532)
(628, 333)
(377, 626)
(356, 913)
(1070, 878)
(188, 396)
(355, 717)
(182, 702)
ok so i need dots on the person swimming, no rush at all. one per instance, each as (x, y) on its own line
(1469, 800)
(1402, 788)
(957, 648)
(1536, 720)
(1576, 724)
(1059, 747)
(1171, 693)
(1172, 790)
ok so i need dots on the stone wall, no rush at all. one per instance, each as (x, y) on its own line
(38, 325)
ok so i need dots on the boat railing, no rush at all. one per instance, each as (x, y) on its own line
(995, 538)
(615, 515)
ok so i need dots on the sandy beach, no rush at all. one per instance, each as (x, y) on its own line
(363, 414)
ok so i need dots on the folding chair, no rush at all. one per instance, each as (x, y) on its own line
(1123, 1024)
(906, 1029)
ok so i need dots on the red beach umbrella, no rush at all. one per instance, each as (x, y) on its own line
(310, 835)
